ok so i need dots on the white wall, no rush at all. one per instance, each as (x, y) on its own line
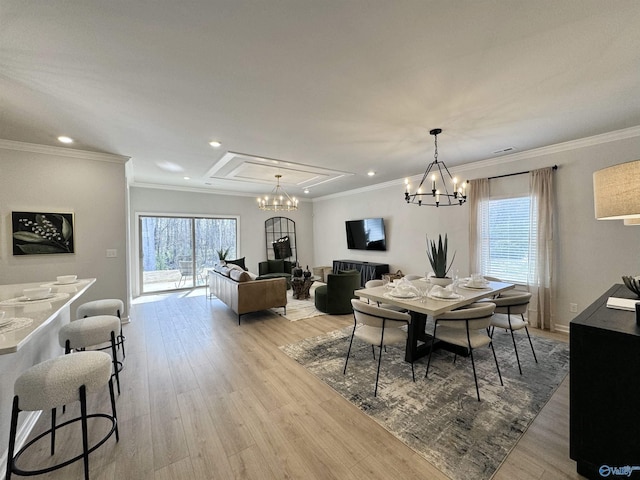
(591, 255)
(34, 178)
(252, 235)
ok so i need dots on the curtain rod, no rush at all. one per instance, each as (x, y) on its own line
(555, 167)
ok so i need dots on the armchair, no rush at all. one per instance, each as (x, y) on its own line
(275, 269)
(335, 297)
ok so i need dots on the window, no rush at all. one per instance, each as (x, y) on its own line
(507, 238)
(177, 251)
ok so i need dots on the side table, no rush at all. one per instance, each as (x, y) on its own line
(301, 287)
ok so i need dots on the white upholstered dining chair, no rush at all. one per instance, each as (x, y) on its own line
(466, 327)
(378, 327)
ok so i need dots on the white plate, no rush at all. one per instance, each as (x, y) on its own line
(476, 287)
(455, 296)
(409, 295)
(26, 299)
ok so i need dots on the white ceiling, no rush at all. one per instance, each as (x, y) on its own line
(298, 86)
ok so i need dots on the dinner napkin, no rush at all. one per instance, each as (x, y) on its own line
(444, 292)
(404, 287)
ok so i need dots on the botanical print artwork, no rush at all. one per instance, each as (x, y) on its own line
(42, 233)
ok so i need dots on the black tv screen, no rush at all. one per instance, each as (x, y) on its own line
(366, 234)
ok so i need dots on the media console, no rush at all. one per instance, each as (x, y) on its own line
(604, 389)
(368, 270)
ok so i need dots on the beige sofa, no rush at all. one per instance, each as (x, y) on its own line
(243, 294)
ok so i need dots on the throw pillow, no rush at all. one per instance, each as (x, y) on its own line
(276, 266)
(233, 266)
(240, 275)
(238, 261)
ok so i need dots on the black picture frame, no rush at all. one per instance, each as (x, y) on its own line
(39, 233)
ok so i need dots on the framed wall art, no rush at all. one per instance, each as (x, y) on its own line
(42, 233)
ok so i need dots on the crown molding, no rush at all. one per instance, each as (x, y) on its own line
(62, 151)
(175, 188)
(617, 135)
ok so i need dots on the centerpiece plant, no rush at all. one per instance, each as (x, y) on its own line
(438, 256)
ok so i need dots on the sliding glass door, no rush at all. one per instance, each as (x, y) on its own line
(175, 252)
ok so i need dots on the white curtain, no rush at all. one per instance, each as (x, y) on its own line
(478, 192)
(540, 281)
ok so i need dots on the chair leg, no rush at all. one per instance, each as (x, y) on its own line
(53, 430)
(375, 391)
(85, 430)
(113, 408)
(373, 351)
(12, 437)
(513, 339)
(530, 343)
(349, 351)
(475, 378)
(115, 360)
(497, 366)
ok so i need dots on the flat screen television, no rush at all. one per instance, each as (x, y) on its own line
(366, 234)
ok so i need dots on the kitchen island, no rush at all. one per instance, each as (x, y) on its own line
(30, 338)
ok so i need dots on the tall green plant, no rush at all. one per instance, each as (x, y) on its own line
(438, 256)
(223, 252)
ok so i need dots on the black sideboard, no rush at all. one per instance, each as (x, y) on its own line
(605, 390)
(368, 270)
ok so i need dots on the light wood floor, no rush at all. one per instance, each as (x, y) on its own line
(204, 398)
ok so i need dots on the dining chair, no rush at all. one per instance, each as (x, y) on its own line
(378, 327)
(466, 327)
(508, 303)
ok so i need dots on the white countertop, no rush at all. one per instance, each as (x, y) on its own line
(40, 312)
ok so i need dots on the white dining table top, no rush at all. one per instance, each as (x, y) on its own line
(432, 306)
(40, 312)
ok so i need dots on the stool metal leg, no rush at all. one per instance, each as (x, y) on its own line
(115, 360)
(12, 437)
(85, 430)
(53, 431)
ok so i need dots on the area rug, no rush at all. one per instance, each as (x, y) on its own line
(300, 309)
(440, 417)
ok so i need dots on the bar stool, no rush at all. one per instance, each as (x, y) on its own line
(56, 382)
(106, 306)
(90, 331)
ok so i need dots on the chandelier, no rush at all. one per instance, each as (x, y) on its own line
(278, 200)
(445, 190)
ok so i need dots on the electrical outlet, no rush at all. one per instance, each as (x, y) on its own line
(573, 307)
(112, 253)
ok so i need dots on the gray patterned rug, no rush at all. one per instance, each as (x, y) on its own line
(440, 417)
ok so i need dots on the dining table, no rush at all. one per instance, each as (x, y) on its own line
(419, 342)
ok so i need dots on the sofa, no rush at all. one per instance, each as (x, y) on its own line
(335, 297)
(243, 293)
(275, 269)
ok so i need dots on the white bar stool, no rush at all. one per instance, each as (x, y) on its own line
(106, 306)
(56, 382)
(89, 332)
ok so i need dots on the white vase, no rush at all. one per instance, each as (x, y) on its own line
(443, 282)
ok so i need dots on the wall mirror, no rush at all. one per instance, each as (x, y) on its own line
(280, 234)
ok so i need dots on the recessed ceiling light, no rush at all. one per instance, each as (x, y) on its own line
(306, 190)
(371, 173)
(187, 178)
(215, 143)
(65, 139)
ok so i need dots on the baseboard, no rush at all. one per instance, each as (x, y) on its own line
(30, 419)
(562, 329)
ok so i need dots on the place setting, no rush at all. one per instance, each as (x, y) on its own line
(475, 282)
(401, 289)
(35, 295)
(63, 281)
(9, 324)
